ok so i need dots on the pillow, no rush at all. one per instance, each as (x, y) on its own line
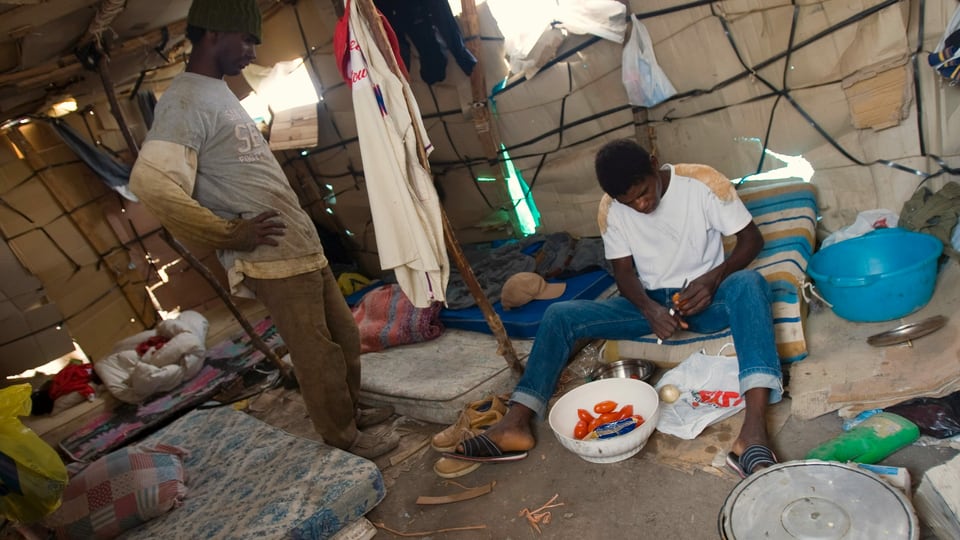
(786, 214)
(120, 491)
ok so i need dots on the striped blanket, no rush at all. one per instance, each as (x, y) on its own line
(786, 214)
(387, 318)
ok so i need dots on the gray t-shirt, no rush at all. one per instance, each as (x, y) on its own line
(237, 174)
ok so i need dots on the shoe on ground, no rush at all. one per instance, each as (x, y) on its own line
(368, 417)
(372, 446)
(454, 468)
(475, 418)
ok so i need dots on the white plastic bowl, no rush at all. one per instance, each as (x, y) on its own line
(643, 397)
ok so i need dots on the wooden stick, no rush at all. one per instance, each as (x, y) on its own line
(493, 320)
(380, 525)
(88, 231)
(482, 119)
(465, 495)
(225, 296)
(107, 81)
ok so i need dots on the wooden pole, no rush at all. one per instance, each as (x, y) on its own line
(104, 71)
(482, 119)
(493, 320)
(225, 296)
(117, 261)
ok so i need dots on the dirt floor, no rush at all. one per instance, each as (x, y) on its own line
(672, 489)
(666, 491)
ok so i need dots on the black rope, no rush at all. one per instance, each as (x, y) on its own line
(813, 123)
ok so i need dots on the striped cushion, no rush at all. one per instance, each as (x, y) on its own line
(786, 214)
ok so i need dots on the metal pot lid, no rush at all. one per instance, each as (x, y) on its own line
(907, 332)
(820, 500)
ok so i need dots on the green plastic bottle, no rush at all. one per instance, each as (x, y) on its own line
(869, 442)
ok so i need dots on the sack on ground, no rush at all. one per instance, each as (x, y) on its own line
(709, 392)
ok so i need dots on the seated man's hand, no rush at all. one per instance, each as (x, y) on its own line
(697, 296)
(259, 230)
(662, 322)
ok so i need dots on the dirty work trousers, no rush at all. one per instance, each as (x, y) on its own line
(317, 327)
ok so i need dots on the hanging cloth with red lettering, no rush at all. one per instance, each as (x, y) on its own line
(403, 201)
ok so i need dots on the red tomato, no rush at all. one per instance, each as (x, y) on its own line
(584, 415)
(605, 407)
(626, 412)
(580, 430)
(639, 419)
(608, 417)
(593, 424)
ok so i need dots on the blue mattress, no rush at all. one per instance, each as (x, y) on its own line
(523, 322)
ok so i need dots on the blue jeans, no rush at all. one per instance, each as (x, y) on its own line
(742, 302)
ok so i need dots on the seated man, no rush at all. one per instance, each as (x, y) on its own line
(662, 232)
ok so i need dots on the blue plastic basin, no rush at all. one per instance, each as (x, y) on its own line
(880, 276)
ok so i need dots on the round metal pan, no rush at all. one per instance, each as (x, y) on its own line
(907, 332)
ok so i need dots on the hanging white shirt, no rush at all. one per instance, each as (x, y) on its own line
(404, 203)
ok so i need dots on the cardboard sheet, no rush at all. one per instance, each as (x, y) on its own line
(844, 373)
(708, 450)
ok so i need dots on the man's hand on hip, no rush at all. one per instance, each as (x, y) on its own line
(259, 230)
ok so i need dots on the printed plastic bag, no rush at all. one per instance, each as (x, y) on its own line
(709, 392)
(32, 475)
(646, 84)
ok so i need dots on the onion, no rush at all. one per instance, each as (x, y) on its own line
(669, 393)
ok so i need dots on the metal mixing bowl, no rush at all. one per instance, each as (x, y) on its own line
(625, 369)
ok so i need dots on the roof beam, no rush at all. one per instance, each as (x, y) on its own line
(19, 21)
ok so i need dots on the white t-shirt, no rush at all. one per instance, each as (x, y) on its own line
(681, 239)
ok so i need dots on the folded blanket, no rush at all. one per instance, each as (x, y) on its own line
(387, 318)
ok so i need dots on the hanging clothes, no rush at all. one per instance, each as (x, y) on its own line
(423, 22)
(403, 201)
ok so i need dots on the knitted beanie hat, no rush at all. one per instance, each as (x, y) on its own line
(226, 16)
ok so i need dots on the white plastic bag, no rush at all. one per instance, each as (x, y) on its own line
(644, 80)
(866, 221)
(604, 18)
(709, 392)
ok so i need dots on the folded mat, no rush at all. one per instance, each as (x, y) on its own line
(224, 362)
(248, 479)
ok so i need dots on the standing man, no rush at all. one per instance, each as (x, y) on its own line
(662, 229)
(208, 175)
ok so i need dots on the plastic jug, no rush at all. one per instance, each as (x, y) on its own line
(869, 442)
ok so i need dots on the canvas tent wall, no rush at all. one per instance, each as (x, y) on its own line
(855, 69)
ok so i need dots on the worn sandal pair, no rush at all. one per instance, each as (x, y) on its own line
(475, 418)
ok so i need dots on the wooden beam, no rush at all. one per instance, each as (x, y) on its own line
(103, 68)
(136, 297)
(453, 246)
(482, 119)
(19, 21)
